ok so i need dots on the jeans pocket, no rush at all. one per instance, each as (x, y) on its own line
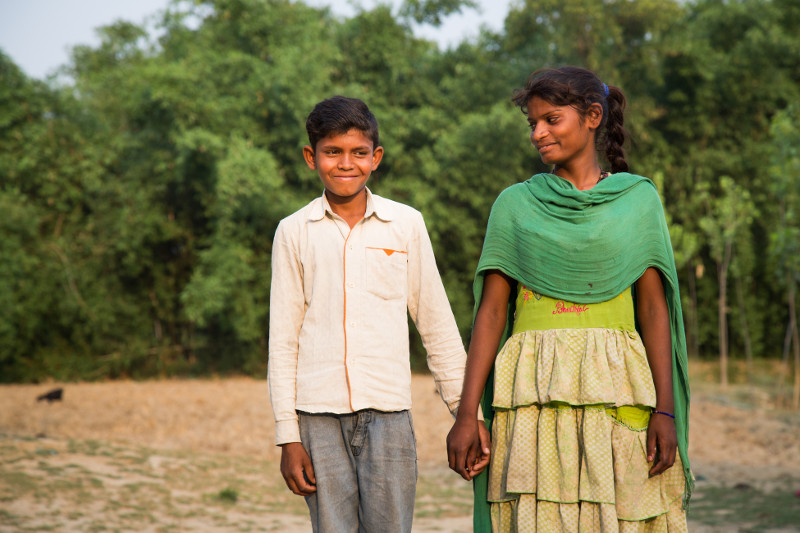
(411, 425)
(414, 439)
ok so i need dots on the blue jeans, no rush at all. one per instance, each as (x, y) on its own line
(365, 464)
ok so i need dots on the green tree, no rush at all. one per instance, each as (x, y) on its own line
(785, 236)
(48, 173)
(725, 70)
(433, 11)
(727, 217)
(140, 199)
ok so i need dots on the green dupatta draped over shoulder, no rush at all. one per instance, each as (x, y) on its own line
(583, 247)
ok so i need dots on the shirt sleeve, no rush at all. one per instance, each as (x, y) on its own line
(286, 309)
(430, 310)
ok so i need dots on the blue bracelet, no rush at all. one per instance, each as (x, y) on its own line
(664, 413)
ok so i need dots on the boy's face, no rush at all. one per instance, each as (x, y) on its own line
(344, 163)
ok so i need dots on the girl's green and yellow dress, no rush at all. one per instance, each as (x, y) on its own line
(573, 386)
(573, 393)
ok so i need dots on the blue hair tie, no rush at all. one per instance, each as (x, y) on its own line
(605, 89)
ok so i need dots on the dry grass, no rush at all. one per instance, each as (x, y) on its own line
(178, 455)
(198, 455)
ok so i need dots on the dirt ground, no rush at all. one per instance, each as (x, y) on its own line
(113, 443)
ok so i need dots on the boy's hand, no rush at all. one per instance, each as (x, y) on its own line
(297, 470)
(662, 443)
(468, 447)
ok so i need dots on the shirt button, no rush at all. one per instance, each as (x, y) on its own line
(351, 284)
(352, 324)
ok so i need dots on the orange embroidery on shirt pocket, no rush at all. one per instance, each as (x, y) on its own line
(387, 251)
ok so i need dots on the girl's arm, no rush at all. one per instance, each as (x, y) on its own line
(467, 451)
(653, 315)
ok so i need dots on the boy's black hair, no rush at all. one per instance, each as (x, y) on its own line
(338, 115)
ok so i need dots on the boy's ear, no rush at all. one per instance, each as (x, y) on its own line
(308, 155)
(377, 155)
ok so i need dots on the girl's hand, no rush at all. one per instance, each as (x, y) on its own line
(662, 443)
(482, 461)
(653, 315)
(468, 447)
(468, 443)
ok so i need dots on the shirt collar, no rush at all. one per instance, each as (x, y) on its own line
(376, 205)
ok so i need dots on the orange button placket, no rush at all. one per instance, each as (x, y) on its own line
(344, 319)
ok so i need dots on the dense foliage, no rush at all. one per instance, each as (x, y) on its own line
(139, 199)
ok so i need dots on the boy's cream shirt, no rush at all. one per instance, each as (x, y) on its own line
(338, 333)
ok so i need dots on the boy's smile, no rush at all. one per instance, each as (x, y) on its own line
(344, 163)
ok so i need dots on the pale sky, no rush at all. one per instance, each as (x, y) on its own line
(37, 34)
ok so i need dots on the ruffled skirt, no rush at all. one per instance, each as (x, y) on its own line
(564, 457)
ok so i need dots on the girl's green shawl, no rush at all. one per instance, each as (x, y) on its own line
(584, 247)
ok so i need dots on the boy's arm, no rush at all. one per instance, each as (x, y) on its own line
(430, 310)
(286, 309)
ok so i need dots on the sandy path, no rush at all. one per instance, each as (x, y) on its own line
(729, 444)
(226, 415)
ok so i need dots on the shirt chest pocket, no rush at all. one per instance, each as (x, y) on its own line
(387, 272)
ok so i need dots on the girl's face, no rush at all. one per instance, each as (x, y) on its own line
(560, 134)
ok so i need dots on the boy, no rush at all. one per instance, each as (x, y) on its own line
(344, 270)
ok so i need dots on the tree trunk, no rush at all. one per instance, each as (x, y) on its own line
(796, 342)
(722, 270)
(787, 339)
(745, 327)
(694, 329)
(723, 332)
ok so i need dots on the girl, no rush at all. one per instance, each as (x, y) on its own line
(577, 284)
